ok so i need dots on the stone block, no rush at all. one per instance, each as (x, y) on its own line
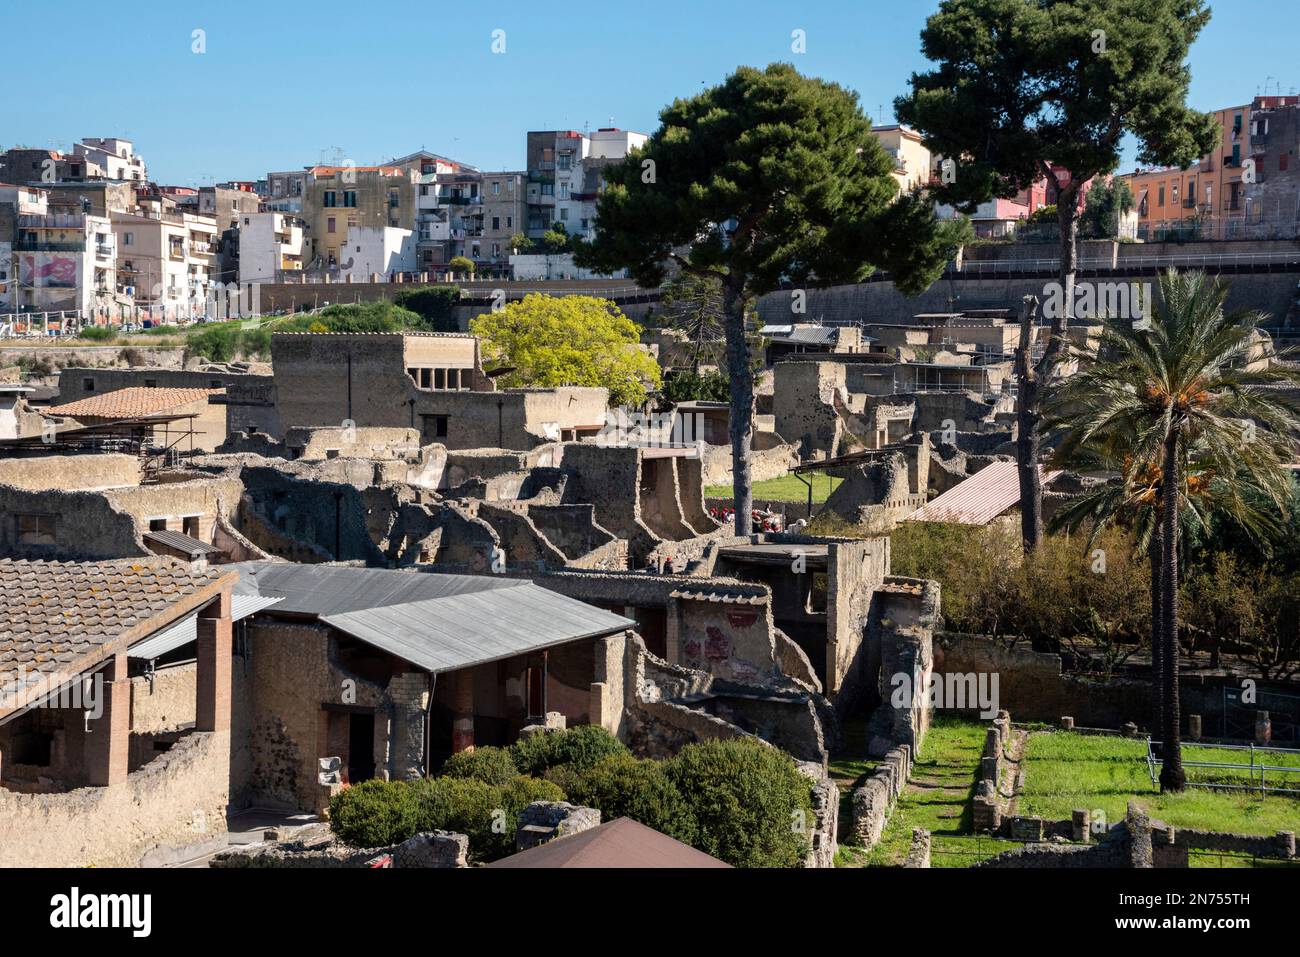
(432, 849)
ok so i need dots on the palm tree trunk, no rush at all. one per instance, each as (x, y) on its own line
(742, 405)
(1172, 777)
(1155, 556)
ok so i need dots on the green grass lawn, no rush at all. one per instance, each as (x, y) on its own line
(938, 799)
(784, 488)
(1064, 771)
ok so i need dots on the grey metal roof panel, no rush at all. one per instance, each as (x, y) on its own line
(333, 589)
(186, 630)
(181, 542)
(437, 622)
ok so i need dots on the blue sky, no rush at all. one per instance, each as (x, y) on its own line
(283, 85)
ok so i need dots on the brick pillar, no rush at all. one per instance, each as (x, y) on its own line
(409, 692)
(109, 743)
(213, 698)
(462, 727)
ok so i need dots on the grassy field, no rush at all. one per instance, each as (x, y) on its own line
(938, 799)
(1064, 771)
(784, 488)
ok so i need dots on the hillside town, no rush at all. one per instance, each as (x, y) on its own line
(656, 503)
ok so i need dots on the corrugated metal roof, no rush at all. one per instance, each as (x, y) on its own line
(981, 498)
(186, 630)
(181, 542)
(434, 621)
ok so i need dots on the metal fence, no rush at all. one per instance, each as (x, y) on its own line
(1256, 773)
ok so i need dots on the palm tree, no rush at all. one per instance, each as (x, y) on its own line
(1131, 497)
(1184, 383)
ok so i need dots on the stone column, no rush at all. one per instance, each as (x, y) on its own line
(1193, 727)
(108, 744)
(214, 652)
(410, 694)
(462, 728)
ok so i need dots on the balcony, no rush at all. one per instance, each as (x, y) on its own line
(41, 246)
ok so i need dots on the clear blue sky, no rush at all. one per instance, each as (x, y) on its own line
(286, 84)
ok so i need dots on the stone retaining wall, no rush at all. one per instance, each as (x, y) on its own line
(874, 801)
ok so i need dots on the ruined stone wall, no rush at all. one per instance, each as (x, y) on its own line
(94, 526)
(293, 671)
(178, 799)
(904, 621)
(728, 640)
(855, 571)
(167, 702)
(1033, 686)
(802, 395)
(874, 801)
(70, 472)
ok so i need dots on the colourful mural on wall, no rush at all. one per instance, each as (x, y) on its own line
(50, 271)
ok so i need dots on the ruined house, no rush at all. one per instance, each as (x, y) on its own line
(433, 382)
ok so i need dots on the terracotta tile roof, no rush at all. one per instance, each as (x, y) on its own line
(132, 403)
(59, 616)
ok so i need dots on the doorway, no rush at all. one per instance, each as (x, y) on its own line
(361, 746)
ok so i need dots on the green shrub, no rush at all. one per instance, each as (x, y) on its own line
(97, 333)
(752, 807)
(489, 765)
(622, 786)
(487, 814)
(581, 747)
(374, 813)
(435, 305)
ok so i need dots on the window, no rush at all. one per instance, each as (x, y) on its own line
(87, 385)
(329, 225)
(496, 220)
(394, 199)
(1236, 154)
(510, 222)
(433, 427)
(128, 239)
(35, 529)
(330, 198)
(350, 198)
(1175, 194)
(564, 212)
(157, 524)
(496, 189)
(190, 525)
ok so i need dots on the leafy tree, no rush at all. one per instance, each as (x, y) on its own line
(461, 264)
(1044, 214)
(521, 244)
(1179, 387)
(569, 340)
(687, 386)
(1105, 209)
(748, 800)
(693, 305)
(770, 177)
(435, 305)
(1021, 85)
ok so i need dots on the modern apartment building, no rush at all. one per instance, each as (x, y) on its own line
(270, 244)
(338, 198)
(565, 176)
(110, 157)
(912, 160)
(1219, 195)
(63, 262)
(166, 264)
